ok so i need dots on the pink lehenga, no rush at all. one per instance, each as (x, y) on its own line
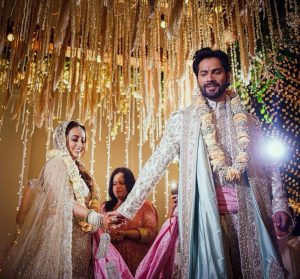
(160, 259)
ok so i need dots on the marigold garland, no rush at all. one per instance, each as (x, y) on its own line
(216, 155)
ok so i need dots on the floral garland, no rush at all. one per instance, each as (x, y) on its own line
(78, 187)
(216, 155)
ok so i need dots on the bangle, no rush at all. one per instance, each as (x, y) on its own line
(144, 235)
(94, 218)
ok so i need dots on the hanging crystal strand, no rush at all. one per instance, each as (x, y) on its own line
(233, 63)
(127, 133)
(258, 30)
(216, 12)
(270, 23)
(133, 116)
(254, 33)
(196, 15)
(136, 95)
(158, 99)
(295, 26)
(128, 111)
(101, 115)
(24, 139)
(207, 40)
(108, 153)
(23, 115)
(60, 97)
(93, 147)
(81, 61)
(222, 24)
(45, 31)
(126, 150)
(188, 30)
(140, 144)
(25, 20)
(81, 85)
(277, 20)
(286, 4)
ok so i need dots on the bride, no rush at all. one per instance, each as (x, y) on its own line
(55, 239)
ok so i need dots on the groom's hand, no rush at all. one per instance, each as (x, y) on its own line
(115, 219)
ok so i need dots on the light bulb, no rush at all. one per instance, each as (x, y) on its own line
(10, 37)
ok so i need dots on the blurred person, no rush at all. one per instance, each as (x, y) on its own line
(133, 238)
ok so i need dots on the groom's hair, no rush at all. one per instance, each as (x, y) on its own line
(208, 53)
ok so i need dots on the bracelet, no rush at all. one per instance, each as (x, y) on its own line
(94, 218)
(144, 235)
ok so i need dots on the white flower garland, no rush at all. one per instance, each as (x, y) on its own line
(216, 155)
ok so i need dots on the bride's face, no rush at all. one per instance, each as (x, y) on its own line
(76, 142)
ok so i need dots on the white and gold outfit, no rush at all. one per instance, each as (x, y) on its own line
(205, 234)
(52, 243)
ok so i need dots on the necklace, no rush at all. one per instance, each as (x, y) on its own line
(216, 155)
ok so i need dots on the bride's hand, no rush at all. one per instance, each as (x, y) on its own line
(105, 222)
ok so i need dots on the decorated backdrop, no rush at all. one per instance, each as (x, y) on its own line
(126, 65)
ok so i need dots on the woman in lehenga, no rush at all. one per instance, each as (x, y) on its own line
(55, 238)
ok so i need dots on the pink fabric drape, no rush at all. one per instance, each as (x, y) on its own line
(160, 259)
(227, 200)
(112, 256)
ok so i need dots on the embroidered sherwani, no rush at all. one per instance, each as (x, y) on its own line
(205, 236)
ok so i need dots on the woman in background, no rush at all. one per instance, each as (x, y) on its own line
(134, 237)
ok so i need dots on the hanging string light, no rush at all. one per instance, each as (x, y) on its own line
(93, 147)
(24, 138)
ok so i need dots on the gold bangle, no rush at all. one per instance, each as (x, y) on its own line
(144, 235)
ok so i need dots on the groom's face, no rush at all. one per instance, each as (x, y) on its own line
(212, 78)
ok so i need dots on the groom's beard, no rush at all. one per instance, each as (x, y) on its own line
(216, 94)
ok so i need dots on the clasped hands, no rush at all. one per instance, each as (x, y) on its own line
(283, 224)
(113, 220)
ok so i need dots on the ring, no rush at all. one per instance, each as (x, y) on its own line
(114, 219)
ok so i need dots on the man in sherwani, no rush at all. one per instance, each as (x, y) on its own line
(228, 193)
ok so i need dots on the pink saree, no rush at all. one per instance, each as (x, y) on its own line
(160, 259)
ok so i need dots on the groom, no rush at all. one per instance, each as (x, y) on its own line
(228, 193)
